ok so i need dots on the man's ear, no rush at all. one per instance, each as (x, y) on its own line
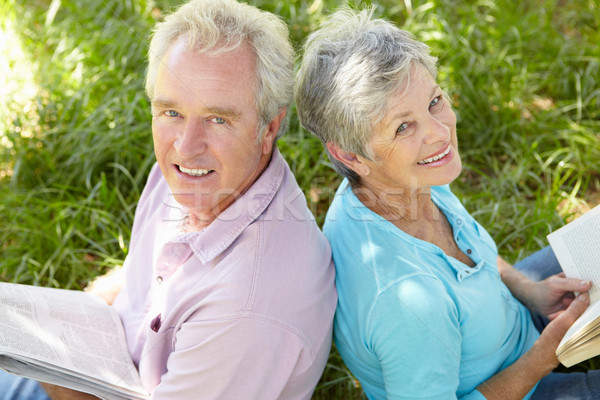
(270, 132)
(351, 160)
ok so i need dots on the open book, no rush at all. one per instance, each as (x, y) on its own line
(68, 338)
(577, 248)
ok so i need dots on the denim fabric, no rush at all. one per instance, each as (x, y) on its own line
(539, 265)
(13, 387)
(569, 386)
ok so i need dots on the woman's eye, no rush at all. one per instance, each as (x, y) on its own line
(171, 113)
(435, 101)
(402, 127)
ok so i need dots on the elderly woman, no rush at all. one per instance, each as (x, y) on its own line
(426, 307)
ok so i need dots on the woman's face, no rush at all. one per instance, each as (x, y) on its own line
(414, 146)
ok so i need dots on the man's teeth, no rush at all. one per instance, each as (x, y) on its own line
(194, 171)
(435, 158)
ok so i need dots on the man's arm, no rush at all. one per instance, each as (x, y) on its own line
(61, 393)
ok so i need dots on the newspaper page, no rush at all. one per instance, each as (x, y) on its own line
(66, 337)
(577, 248)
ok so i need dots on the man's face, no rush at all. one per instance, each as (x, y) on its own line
(205, 127)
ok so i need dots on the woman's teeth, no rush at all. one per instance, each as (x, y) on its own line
(194, 171)
(435, 158)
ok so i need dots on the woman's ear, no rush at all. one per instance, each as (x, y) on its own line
(351, 160)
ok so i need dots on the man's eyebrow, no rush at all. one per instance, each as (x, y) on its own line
(227, 113)
(163, 103)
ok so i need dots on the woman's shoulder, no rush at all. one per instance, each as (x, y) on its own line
(445, 196)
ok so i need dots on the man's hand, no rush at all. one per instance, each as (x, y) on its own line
(107, 286)
(61, 393)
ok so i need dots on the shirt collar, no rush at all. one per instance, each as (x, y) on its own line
(228, 226)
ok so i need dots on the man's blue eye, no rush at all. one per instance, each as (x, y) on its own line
(218, 120)
(434, 102)
(171, 113)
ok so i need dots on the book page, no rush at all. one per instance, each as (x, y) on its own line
(72, 330)
(577, 248)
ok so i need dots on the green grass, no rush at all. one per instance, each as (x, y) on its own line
(75, 141)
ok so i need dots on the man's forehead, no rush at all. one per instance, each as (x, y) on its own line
(222, 85)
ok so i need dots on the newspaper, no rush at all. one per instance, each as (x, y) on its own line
(67, 338)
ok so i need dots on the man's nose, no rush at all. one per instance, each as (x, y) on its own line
(192, 139)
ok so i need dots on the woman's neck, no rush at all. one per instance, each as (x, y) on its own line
(413, 211)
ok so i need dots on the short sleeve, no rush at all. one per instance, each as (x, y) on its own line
(414, 330)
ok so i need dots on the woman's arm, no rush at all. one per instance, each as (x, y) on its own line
(515, 381)
(554, 298)
(546, 297)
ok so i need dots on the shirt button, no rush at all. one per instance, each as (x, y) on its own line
(469, 251)
(159, 279)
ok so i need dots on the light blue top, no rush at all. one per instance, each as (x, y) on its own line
(412, 322)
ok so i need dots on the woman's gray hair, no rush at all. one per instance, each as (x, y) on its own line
(350, 66)
(218, 26)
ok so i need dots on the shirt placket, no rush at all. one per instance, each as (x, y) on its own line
(172, 255)
(464, 271)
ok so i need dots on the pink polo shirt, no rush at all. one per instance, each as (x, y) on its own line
(240, 310)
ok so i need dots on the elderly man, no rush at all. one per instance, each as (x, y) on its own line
(228, 286)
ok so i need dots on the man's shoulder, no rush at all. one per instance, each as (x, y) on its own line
(155, 195)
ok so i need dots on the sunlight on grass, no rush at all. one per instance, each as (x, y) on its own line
(18, 93)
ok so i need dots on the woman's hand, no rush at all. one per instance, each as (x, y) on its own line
(554, 294)
(515, 381)
(547, 297)
(550, 338)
